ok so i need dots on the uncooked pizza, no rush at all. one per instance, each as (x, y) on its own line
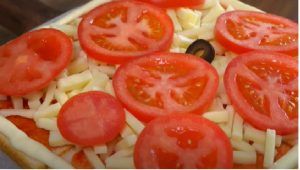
(153, 84)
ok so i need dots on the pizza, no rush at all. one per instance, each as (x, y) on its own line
(153, 84)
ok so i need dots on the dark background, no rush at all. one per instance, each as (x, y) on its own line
(19, 16)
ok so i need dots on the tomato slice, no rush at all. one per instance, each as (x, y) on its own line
(243, 31)
(122, 30)
(91, 118)
(175, 3)
(182, 141)
(30, 62)
(165, 83)
(263, 88)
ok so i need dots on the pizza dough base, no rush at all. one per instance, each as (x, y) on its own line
(23, 160)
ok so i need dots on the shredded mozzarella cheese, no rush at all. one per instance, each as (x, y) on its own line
(217, 116)
(93, 158)
(243, 157)
(49, 112)
(126, 142)
(27, 113)
(47, 123)
(49, 96)
(259, 147)
(127, 131)
(75, 81)
(60, 96)
(17, 102)
(173, 16)
(213, 14)
(79, 65)
(120, 162)
(241, 145)
(189, 18)
(134, 123)
(123, 153)
(269, 148)
(23, 143)
(237, 129)
(56, 139)
(288, 161)
(100, 149)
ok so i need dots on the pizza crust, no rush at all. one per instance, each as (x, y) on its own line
(23, 160)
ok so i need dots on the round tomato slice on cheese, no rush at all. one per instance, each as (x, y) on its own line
(165, 83)
(175, 3)
(91, 118)
(243, 31)
(182, 141)
(118, 31)
(263, 89)
(30, 62)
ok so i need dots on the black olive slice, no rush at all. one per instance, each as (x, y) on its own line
(203, 49)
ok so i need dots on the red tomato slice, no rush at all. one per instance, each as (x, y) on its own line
(263, 88)
(30, 62)
(182, 141)
(175, 3)
(122, 30)
(91, 118)
(243, 31)
(165, 83)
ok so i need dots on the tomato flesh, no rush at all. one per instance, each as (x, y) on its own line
(263, 88)
(243, 31)
(182, 141)
(30, 62)
(80, 161)
(91, 118)
(165, 83)
(118, 31)
(175, 3)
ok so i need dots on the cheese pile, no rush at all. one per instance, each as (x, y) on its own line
(84, 74)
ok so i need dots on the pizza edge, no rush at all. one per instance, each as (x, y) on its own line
(23, 160)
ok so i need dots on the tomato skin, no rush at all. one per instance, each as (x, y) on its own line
(175, 3)
(157, 148)
(253, 38)
(198, 99)
(30, 62)
(261, 116)
(111, 52)
(91, 118)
